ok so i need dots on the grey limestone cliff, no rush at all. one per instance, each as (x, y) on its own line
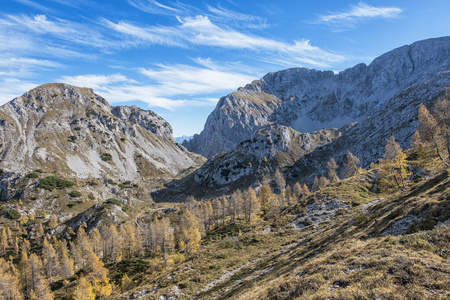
(145, 118)
(308, 100)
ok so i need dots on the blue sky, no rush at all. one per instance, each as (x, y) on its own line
(179, 57)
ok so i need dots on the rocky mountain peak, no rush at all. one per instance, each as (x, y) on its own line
(73, 131)
(145, 118)
(308, 100)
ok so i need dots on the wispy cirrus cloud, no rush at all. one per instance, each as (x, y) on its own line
(239, 20)
(63, 32)
(201, 31)
(27, 63)
(16, 74)
(160, 8)
(11, 87)
(209, 77)
(154, 35)
(220, 27)
(75, 3)
(358, 13)
(95, 81)
(169, 86)
(38, 41)
(218, 13)
(35, 5)
(301, 53)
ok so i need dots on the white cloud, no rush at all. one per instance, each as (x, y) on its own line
(358, 13)
(94, 81)
(169, 86)
(63, 30)
(238, 19)
(41, 35)
(146, 35)
(159, 8)
(17, 39)
(218, 14)
(35, 5)
(200, 31)
(147, 95)
(75, 3)
(47, 37)
(21, 67)
(181, 79)
(22, 62)
(13, 87)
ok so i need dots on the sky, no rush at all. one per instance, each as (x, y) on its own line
(178, 58)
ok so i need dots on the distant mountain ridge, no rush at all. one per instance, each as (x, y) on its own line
(308, 100)
(183, 138)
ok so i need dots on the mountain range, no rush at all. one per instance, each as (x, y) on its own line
(183, 138)
(307, 100)
(108, 204)
(293, 120)
(273, 123)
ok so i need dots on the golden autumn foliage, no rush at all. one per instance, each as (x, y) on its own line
(9, 282)
(351, 165)
(433, 135)
(394, 167)
(84, 290)
(189, 233)
(332, 167)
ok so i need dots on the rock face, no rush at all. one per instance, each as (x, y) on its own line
(145, 118)
(271, 148)
(302, 156)
(367, 138)
(69, 130)
(308, 100)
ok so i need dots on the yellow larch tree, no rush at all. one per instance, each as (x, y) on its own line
(189, 233)
(98, 275)
(65, 261)
(3, 241)
(84, 290)
(38, 283)
(9, 283)
(332, 167)
(129, 241)
(352, 164)
(393, 165)
(50, 260)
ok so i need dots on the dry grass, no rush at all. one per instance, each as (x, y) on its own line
(345, 258)
(411, 267)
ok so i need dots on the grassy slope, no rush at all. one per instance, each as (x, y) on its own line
(346, 257)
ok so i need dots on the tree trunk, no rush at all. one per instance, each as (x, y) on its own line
(395, 177)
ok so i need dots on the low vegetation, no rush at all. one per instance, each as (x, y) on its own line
(72, 138)
(106, 156)
(13, 214)
(75, 194)
(33, 175)
(51, 183)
